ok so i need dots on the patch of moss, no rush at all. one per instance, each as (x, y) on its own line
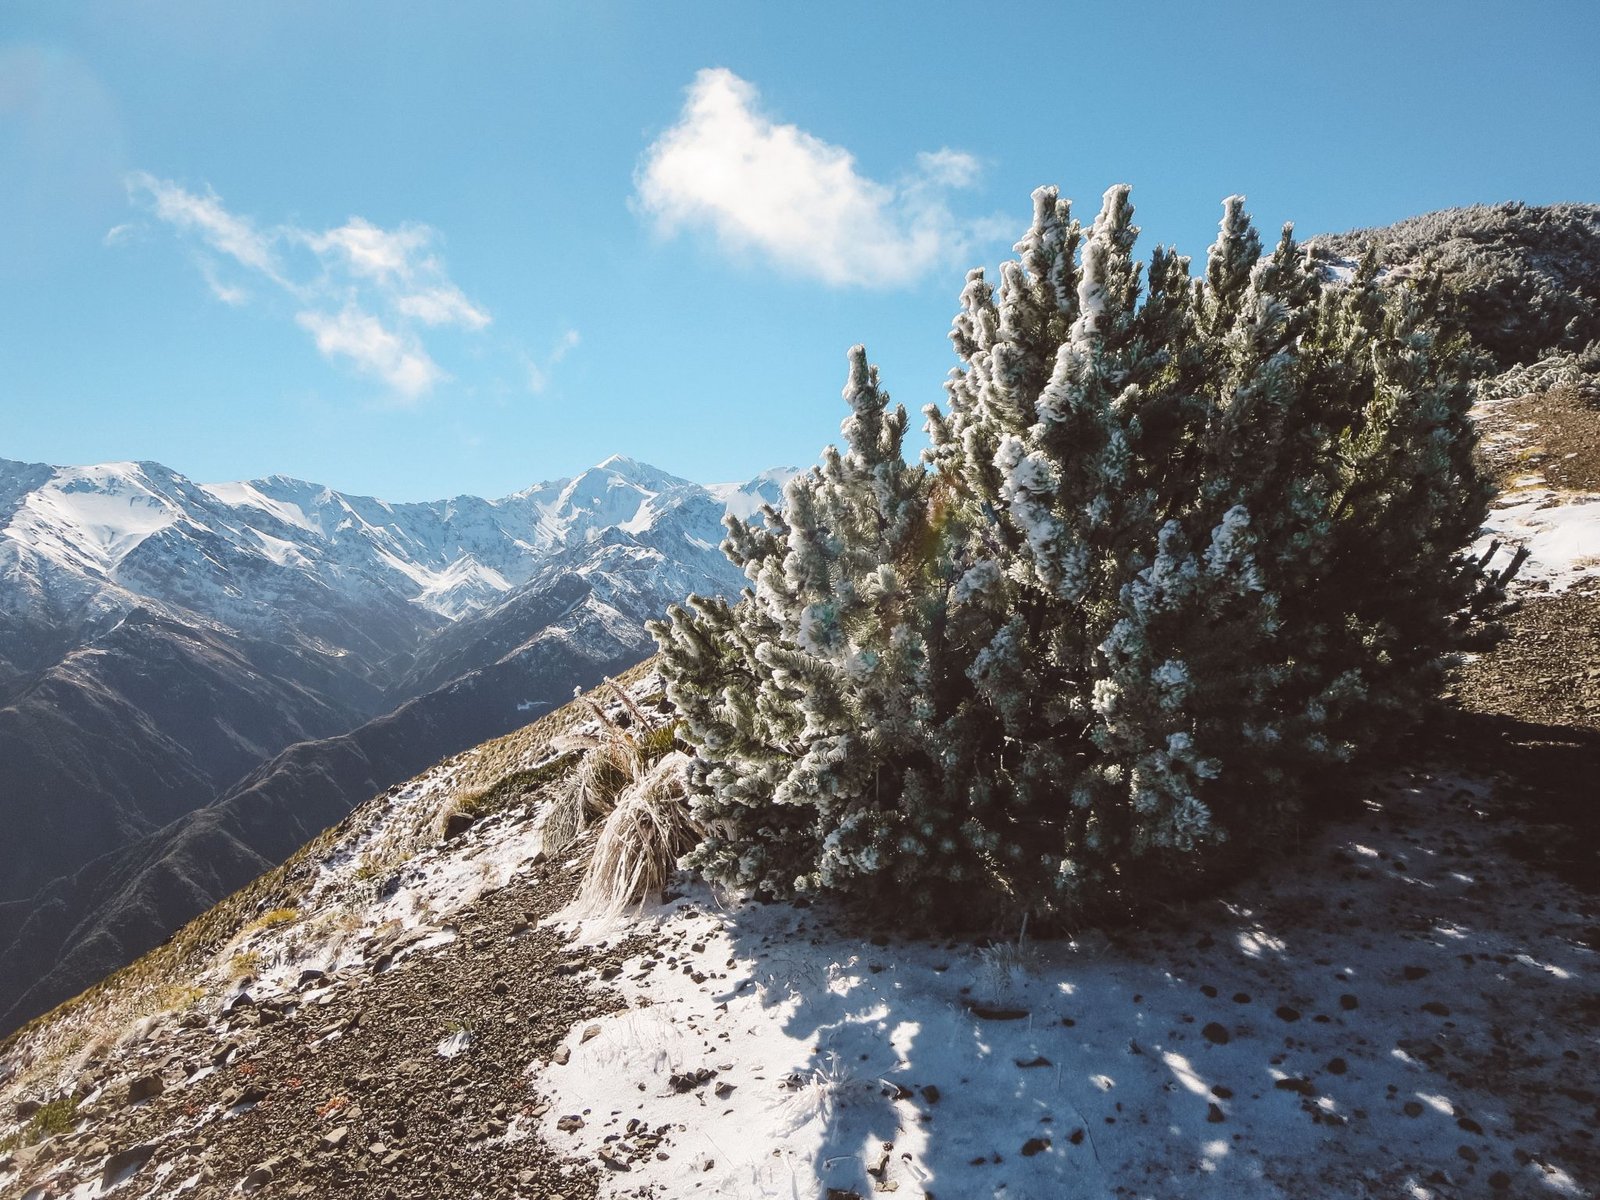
(56, 1117)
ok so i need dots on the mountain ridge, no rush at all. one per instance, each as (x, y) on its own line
(167, 646)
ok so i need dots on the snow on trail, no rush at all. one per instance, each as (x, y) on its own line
(1361, 1021)
(1561, 531)
(1559, 528)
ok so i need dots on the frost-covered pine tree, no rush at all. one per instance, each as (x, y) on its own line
(1179, 547)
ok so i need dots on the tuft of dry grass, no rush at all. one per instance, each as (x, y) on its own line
(609, 761)
(630, 780)
(638, 847)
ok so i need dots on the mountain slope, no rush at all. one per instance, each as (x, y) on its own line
(483, 613)
(147, 722)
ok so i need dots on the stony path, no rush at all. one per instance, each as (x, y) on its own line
(346, 1092)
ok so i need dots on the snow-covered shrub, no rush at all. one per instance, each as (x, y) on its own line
(1179, 548)
(1559, 369)
(1522, 280)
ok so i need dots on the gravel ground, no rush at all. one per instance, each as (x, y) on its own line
(376, 1112)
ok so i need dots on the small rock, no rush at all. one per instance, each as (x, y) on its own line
(257, 1179)
(1035, 1145)
(998, 1014)
(456, 823)
(930, 1093)
(1214, 1113)
(1437, 1009)
(144, 1087)
(589, 1034)
(570, 1124)
(1303, 1086)
(687, 1081)
(1284, 1013)
(562, 1056)
(1412, 1108)
(1216, 1034)
(1337, 1066)
(334, 1139)
(1348, 1002)
(124, 1164)
(1413, 974)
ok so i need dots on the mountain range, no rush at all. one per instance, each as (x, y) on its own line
(196, 678)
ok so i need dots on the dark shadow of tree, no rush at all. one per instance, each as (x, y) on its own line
(1387, 977)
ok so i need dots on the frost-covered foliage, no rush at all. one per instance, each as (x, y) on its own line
(1559, 369)
(1523, 280)
(1179, 548)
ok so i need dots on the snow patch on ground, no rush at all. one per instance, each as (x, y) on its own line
(1353, 1024)
(395, 882)
(1561, 531)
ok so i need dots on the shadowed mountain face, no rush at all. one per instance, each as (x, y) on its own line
(195, 679)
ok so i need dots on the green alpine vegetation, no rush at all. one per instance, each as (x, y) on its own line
(1181, 548)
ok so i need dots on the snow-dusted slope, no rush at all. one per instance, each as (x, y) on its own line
(261, 656)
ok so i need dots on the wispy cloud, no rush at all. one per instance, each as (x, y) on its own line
(539, 372)
(204, 217)
(364, 293)
(402, 264)
(395, 358)
(758, 185)
(228, 293)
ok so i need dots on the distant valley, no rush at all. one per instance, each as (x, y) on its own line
(196, 678)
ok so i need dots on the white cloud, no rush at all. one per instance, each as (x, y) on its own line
(375, 350)
(775, 189)
(228, 293)
(369, 250)
(441, 305)
(339, 278)
(539, 372)
(204, 216)
(402, 266)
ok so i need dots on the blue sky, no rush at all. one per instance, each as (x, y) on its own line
(417, 250)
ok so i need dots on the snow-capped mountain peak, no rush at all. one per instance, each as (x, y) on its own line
(148, 530)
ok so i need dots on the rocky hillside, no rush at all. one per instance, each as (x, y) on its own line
(194, 679)
(1406, 1004)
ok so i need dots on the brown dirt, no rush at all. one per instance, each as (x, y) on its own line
(1527, 711)
(1555, 434)
(416, 1124)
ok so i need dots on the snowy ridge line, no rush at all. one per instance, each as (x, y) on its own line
(138, 523)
